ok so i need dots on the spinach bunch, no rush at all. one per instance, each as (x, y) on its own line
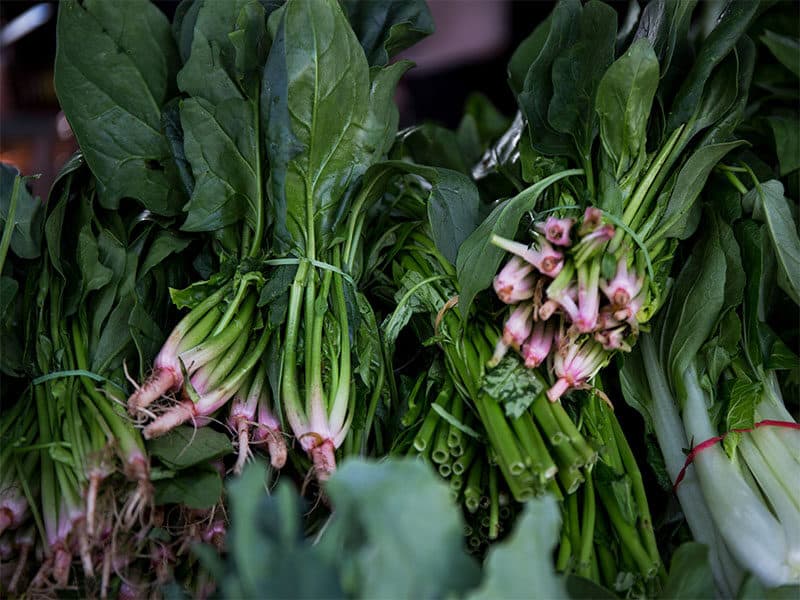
(622, 129)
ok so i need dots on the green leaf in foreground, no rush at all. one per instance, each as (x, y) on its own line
(690, 573)
(402, 535)
(26, 235)
(184, 447)
(522, 566)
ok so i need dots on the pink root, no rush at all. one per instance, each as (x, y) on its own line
(22, 562)
(244, 446)
(176, 415)
(163, 380)
(277, 449)
(324, 459)
(555, 392)
(61, 564)
(91, 503)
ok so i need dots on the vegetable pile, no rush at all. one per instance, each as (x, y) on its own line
(257, 342)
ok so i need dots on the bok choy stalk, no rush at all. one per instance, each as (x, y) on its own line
(589, 254)
(711, 370)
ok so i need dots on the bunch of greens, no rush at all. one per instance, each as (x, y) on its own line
(268, 141)
(599, 238)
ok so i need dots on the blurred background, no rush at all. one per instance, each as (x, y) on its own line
(469, 52)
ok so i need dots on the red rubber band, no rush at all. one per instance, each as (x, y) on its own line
(715, 440)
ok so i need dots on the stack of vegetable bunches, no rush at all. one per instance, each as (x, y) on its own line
(598, 242)
(68, 448)
(534, 444)
(608, 534)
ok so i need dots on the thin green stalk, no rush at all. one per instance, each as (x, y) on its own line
(545, 418)
(424, 439)
(289, 385)
(463, 462)
(628, 535)
(645, 521)
(8, 229)
(577, 439)
(494, 506)
(587, 528)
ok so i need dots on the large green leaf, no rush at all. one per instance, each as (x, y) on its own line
(577, 73)
(525, 55)
(317, 149)
(772, 207)
(115, 68)
(221, 120)
(689, 574)
(200, 489)
(624, 99)
(786, 49)
(698, 298)
(787, 142)
(478, 258)
(537, 90)
(397, 532)
(733, 23)
(385, 27)
(522, 566)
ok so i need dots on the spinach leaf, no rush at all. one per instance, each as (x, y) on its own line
(772, 207)
(732, 24)
(534, 100)
(221, 120)
(576, 74)
(525, 54)
(317, 150)
(478, 258)
(415, 553)
(385, 27)
(785, 49)
(787, 142)
(115, 68)
(624, 99)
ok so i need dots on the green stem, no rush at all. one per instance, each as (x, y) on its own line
(8, 229)
(566, 425)
(627, 534)
(587, 529)
(494, 506)
(289, 385)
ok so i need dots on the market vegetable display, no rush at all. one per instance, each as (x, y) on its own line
(550, 356)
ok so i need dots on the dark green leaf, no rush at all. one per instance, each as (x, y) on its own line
(577, 73)
(689, 574)
(744, 396)
(478, 258)
(185, 446)
(385, 27)
(416, 552)
(787, 142)
(316, 150)
(115, 66)
(772, 207)
(198, 489)
(785, 49)
(580, 588)
(525, 55)
(733, 23)
(173, 131)
(534, 100)
(522, 566)
(453, 211)
(624, 99)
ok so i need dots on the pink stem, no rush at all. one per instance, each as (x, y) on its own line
(324, 460)
(176, 415)
(161, 381)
